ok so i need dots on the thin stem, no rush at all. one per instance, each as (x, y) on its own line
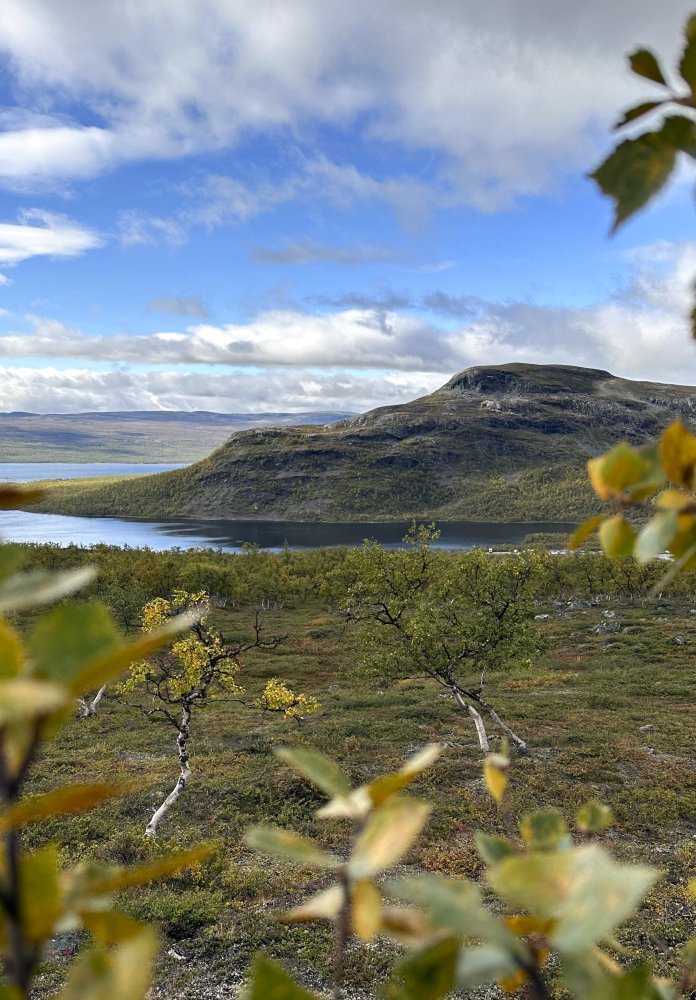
(341, 935)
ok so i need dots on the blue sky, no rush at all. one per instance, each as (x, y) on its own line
(240, 206)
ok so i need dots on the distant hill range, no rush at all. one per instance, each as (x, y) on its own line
(505, 443)
(133, 436)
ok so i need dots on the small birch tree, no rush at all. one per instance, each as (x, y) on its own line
(450, 620)
(198, 668)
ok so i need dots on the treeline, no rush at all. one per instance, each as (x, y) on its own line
(128, 578)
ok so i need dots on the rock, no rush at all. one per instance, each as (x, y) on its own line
(679, 640)
(175, 954)
(645, 729)
(541, 618)
(610, 627)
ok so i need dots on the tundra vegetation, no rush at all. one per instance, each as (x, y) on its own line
(555, 915)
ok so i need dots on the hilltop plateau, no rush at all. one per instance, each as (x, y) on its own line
(131, 436)
(506, 442)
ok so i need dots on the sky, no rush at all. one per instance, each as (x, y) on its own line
(290, 205)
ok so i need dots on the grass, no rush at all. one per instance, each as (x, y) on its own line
(581, 707)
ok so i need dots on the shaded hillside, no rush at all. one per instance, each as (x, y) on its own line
(495, 443)
(132, 436)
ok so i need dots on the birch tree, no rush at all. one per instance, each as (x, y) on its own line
(198, 668)
(453, 621)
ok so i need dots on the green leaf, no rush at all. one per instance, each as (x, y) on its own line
(290, 845)
(636, 984)
(61, 802)
(586, 529)
(645, 64)
(70, 636)
(545, 830)
(389, 832)
(427, 974)
(123, 972)
(594, 817)
(687, 65)
(113, 662)
(29, 590)
(637, 112)
(493, 848)
(656, 536)
(583, 890)
(483, 965)
(635, 171)
(681, 132)
(270, 981)
(450, 904)
(317, 768)
(617, 537)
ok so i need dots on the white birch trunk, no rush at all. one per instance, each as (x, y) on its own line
(478, 721)
(181, 742)
(88, 709)
(519, 743)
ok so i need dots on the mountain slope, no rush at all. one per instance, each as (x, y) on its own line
(494, 443)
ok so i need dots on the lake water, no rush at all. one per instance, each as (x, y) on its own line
(23, 526)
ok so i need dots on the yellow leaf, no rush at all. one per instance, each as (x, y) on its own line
(494, 774)
(522, 925)
(388, 834)
(366, 909)
(582, 533)
(21, 698)
(677, 451)
(61, 802)
(12, 497)
(325, 905)
(513, 982)
(41, 902)
(672, 499)
(109, 926)
(128, 877)
(11, 651)
(124, 971)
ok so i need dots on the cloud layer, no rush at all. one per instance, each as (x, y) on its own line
(502, 93)
(355, 358)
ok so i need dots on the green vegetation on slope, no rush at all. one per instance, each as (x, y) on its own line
(507, 443)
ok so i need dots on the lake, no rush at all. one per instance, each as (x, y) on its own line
(23, 526)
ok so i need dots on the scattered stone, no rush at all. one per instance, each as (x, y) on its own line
(541, 618)
(607, 627)
(645, 729)
(176, 955)
(679, 640)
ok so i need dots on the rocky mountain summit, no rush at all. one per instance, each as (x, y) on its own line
(506, 442)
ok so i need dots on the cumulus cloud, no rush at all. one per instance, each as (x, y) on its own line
(178, 306)
(357, 357)
(504, 94)
(54, 390)
(43, 234)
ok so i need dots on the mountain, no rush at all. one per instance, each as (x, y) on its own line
(131, 436)
(505, 443)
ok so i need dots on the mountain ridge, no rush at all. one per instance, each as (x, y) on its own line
(499, 442)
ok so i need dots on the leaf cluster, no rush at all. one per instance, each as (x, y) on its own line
(70, 648)
(555, 897)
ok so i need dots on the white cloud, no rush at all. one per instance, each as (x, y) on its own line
(639, 333)
(54, 390)
(504, 94)
(309, 252)
(40, 233)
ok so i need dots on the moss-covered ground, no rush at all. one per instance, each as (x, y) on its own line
(583, 708)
